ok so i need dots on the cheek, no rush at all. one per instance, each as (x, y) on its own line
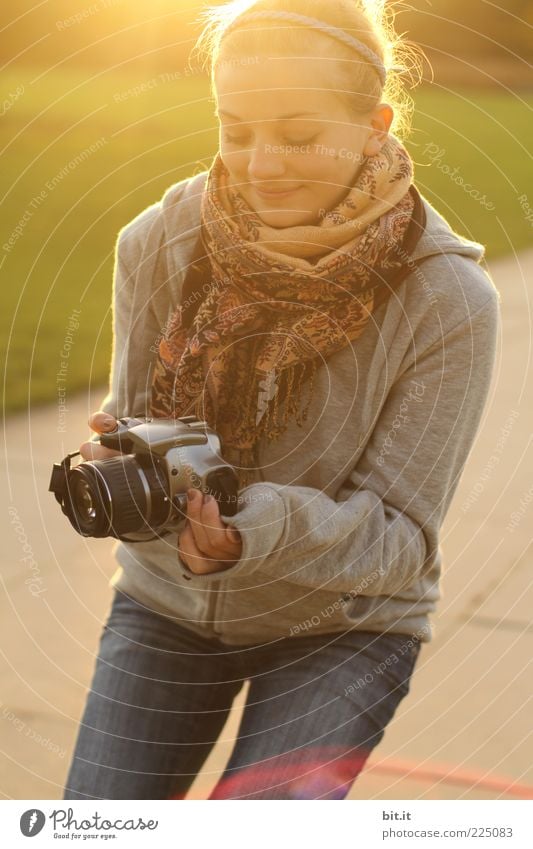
(232, 161)
(332, 174)
(331, 165)
(235, 159)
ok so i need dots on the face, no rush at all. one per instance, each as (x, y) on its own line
(291, 146)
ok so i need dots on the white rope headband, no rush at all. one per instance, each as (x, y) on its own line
(362, 49)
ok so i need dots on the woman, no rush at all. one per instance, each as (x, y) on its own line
(341, 339)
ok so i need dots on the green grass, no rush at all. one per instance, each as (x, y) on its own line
(63, 258)
(483, 139)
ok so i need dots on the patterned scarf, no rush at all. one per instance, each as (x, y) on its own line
(280, 302)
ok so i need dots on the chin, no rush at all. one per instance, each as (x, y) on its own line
(280, 218)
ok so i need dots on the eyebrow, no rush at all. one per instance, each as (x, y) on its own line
(222, 112)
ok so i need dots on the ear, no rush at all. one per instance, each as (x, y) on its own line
(380, 122)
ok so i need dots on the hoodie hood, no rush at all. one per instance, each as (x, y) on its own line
(439, 238)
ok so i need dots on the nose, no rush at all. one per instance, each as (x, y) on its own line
(265, 163)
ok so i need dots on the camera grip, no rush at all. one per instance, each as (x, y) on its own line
(223, 484)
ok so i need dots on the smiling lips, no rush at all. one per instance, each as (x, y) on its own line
(274, 194)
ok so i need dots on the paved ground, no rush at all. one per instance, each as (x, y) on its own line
(462, 733)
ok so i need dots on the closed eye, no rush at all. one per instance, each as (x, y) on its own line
(234, 139)
(229, 139)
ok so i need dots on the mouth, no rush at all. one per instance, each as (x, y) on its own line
(269, 194)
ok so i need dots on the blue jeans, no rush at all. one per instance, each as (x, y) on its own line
(316, 707)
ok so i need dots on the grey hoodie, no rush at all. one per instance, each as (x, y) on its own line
(343, 529)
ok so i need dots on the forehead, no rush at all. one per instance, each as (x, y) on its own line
(255, 87)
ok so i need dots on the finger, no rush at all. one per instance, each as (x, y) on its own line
(194, 515)
(191, 554)
(208, 529)
(102, 422)
(221, 540)
(94, 451)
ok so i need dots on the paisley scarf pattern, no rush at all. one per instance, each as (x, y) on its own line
(281, 301)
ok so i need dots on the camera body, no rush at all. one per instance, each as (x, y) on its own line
(142, 494)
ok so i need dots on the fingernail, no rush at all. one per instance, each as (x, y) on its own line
(191, 494)
(208, 498)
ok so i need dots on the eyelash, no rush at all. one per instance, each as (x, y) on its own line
(235, 140)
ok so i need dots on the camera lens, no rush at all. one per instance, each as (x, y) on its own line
(84, 500)
(114, 497)
(88, 505)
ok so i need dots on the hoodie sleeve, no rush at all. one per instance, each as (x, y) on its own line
(139, 270)
(382, 531)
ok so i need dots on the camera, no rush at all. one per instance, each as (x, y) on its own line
(142, 494)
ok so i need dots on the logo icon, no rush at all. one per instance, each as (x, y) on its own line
(32, 822)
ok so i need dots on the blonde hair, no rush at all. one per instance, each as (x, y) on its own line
(369, 21)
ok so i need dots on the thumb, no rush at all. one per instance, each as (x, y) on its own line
(233, 535)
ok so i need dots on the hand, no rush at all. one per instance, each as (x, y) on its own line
(206, 544)
(101, 423)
